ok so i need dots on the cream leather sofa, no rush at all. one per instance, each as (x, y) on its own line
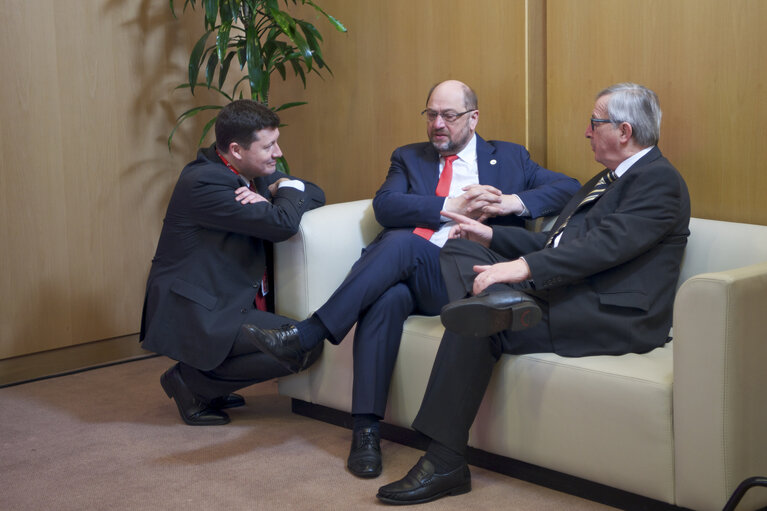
(683, 424)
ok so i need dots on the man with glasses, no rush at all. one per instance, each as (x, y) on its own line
(604, 278)
(398, 273)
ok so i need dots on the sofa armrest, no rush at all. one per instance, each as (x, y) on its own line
(310, 265)
(720, 418)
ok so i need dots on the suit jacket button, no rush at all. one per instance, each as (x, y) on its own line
(243, 310)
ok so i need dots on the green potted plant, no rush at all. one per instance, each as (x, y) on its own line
(263, 39)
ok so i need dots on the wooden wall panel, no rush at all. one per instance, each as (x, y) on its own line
(704, 58)
(383, 68)
(86, 101)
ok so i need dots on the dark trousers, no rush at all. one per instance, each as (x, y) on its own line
(244, 366)
(396, 275)
(463, 366)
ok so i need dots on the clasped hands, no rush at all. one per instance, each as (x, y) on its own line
(481, 202)
(508, 272)
(245, 195)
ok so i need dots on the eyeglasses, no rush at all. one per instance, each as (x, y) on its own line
(594, 122)
(600, 121)
(448, 117)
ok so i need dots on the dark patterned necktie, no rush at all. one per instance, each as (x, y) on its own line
(593, 195)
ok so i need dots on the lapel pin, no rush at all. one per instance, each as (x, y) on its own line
(493, 162)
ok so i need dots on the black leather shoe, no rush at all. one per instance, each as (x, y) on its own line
(194, 410)
(283, 344)
(491, 312)
(365, 454)
(421, 485)
(229, 401)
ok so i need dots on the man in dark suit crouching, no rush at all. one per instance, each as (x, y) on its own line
(603, 282)
(208, 274)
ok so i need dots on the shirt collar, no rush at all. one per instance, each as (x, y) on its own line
(631, 160)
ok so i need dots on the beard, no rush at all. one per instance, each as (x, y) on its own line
(450, 145)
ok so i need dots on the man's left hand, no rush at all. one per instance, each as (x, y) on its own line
(509, 272)
(478, 197)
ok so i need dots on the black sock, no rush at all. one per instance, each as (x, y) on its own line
(444, 458)
(365, 420)
(311, 332)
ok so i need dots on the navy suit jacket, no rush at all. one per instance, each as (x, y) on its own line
(611, 281)
(407, 197)
(211, 257)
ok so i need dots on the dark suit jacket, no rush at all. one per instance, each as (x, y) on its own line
(611, 281)
(407, 198)
(210, 259)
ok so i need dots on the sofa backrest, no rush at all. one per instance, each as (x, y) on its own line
(716, 246)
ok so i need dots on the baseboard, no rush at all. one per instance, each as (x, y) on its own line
(514, 468)
(80, 357)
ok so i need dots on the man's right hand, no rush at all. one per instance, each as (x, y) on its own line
(245, 195)
(469, 229)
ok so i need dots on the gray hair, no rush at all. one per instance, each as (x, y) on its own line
(638, 106)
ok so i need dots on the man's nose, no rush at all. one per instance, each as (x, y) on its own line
(439, 122)
(277, 152)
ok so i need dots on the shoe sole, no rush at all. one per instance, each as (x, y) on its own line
(458, 490)
(365, 475)
(166, 387)
(482, 320)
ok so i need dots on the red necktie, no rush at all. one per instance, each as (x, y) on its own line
(443, 188)
(260, 300)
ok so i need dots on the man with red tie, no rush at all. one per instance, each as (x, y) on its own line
(207, 275)
(398, 274)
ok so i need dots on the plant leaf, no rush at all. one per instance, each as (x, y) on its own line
(186, 115)
(299, 71)
(222, 39)
(211, 13)
(253, 59)
(227, 10)
(280, 67)
(285, 106)
(210, 70)
(206, 129)
(195, 59)
(288, 26)
(337, 24)
(314, 46)
(225, 69)
(282, 165)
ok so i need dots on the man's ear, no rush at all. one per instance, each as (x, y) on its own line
(626, 132)
(473, 120)
(235, 151)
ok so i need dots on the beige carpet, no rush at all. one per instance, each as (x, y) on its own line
(109, 439)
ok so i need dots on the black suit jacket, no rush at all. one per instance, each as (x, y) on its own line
(611, 281)
(211, 257)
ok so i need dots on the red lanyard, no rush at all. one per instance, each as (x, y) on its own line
(228, 165)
